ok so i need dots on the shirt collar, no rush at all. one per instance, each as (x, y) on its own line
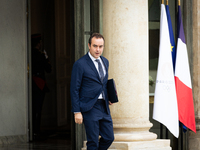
(93, 59)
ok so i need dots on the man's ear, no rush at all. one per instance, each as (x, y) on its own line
(88, 45)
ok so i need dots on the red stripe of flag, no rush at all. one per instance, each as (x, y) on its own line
(185, 104)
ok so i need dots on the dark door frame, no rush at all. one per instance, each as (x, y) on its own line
(78, 132)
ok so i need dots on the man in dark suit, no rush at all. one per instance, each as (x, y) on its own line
(40, 66)
(89, 95)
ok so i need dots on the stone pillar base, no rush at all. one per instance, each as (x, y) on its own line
(140, 145)
(13, 139)
(194, 140)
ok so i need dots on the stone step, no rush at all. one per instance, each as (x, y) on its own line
(140, 145)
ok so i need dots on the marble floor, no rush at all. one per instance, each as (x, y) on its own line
(56, 141)
(37, 146)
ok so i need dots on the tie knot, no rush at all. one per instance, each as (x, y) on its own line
(97, 60)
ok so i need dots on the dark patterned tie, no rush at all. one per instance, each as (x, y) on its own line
(101, 74)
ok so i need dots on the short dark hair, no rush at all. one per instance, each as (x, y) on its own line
(96, 35)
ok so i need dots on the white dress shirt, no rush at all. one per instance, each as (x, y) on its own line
(96, 65)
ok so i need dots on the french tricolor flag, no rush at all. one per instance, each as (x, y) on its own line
(183, 80)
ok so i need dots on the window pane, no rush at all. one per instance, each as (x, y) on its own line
(154, 30)
(87, 15)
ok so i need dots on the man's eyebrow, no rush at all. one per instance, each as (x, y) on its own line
(97, 45)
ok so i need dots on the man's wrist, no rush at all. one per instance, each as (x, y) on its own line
(76, 112)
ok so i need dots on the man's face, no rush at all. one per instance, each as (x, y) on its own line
(96, 47)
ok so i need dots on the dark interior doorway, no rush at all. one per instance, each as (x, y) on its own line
(54, 20)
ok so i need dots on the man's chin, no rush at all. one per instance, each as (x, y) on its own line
(97, 56)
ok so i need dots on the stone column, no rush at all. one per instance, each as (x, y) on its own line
(194, 138)
(125, 28)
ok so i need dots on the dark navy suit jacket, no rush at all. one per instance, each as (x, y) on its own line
(86, 85)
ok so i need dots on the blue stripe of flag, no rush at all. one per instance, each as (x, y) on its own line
(173, 47)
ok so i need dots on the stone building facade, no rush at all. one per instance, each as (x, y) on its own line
(66, 26)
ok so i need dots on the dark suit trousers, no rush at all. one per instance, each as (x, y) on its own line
(98, 122)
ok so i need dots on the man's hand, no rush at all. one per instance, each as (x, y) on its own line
(78, 118)
(45, 54)
(110, 103)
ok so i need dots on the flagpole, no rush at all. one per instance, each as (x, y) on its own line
(161, 126)
(166, 132)
(181, 124)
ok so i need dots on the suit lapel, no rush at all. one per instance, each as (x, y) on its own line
(106, 67)
(91, 64)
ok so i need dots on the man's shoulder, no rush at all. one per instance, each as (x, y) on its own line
(81, 60)
(104, 59)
